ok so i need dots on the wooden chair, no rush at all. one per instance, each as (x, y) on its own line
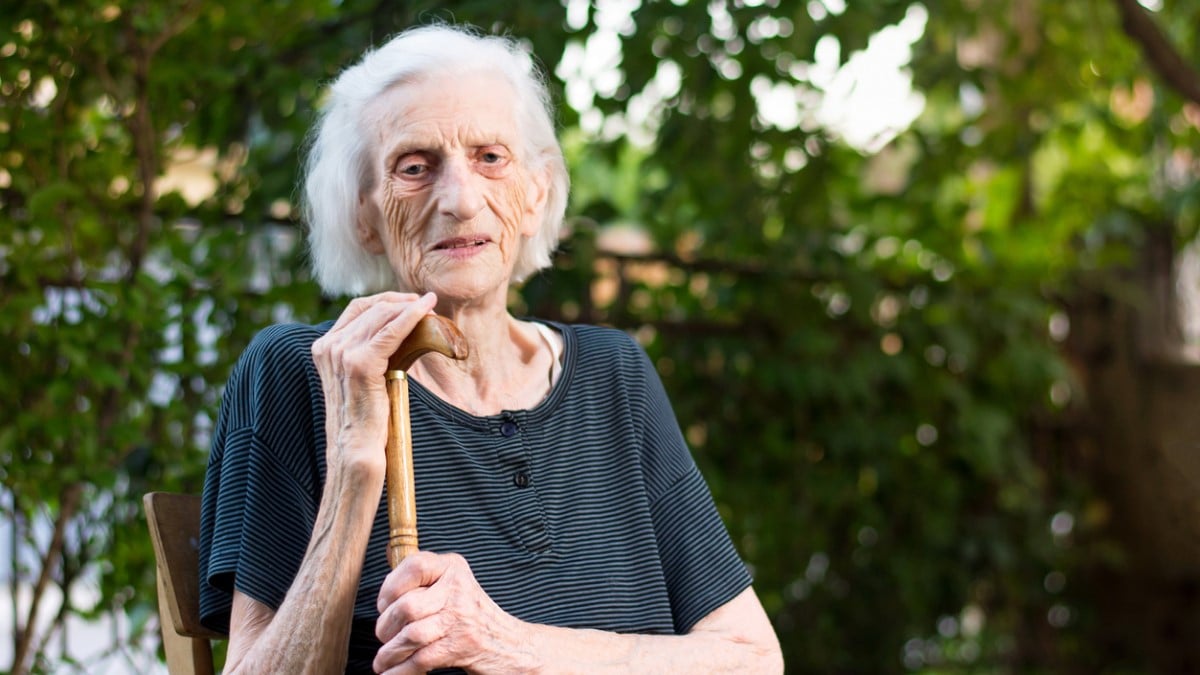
(174, 521)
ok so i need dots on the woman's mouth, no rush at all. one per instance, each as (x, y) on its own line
(460, 242)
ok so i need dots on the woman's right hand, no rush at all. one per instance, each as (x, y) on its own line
(351, 360)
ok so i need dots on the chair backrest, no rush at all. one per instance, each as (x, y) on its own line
(174, 521)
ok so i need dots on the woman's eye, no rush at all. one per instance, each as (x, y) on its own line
(412, 165)
(492, 157)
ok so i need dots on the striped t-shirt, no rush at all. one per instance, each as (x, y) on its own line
(584, 511)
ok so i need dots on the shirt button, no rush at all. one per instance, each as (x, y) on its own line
(508, 429)
(521, 479)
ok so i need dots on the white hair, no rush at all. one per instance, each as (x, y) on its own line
(338, 168)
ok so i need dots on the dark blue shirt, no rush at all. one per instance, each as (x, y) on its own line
(585, 511)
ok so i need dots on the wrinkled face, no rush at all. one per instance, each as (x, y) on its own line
(452, 199)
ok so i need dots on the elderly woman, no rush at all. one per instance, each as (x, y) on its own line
(564, 523)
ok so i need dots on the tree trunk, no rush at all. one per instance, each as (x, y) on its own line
(1140, 433)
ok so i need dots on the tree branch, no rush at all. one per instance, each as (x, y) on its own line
(182, 17)
(141, 128)
(1158, 50)
(68, 504)
(15, 568)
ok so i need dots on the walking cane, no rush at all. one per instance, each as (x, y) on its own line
(432, 334)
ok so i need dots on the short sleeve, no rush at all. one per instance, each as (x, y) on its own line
(262, 484)
(701, 565)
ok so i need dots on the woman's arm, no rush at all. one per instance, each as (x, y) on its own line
(736, 637)
(433, 614)
(310, 631)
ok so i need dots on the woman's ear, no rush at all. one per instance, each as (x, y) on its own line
(369, 218)
(536, 194)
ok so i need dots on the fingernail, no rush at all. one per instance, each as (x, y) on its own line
(429, 297)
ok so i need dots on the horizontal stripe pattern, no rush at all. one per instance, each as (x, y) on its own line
(584, 511)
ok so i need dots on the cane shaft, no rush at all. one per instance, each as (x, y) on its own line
(401, 493)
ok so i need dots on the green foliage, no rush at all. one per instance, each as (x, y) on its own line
(856, 343)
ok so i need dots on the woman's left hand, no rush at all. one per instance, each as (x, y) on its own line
(434, 614)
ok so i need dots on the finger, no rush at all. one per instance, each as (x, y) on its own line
(373, 314)
(391, 334)
(391, 666)
(358, 323)
(420, 569)
(361, 347)
(361, 304)
(381, 317)
(411, 607)
(421, 646)
(393, 656)
(370, 341)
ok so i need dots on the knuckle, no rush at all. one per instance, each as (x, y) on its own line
(426, 658)
(419, 562)
(404, 609)
(419, 633)
(388, 657)
(386, 595)
(383, 627)
(320, 346)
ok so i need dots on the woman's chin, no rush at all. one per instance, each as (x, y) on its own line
(466, 288)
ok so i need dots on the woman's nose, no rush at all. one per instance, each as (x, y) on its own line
(459, 194)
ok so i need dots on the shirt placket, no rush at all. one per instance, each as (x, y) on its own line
(521, 482)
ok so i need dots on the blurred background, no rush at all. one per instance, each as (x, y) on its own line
(920, 278)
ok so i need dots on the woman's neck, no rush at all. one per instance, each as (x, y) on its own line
(507, 368)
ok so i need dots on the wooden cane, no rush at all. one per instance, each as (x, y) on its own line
(432, 334)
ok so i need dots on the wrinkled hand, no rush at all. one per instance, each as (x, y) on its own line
(434, 614)
(351, 360)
